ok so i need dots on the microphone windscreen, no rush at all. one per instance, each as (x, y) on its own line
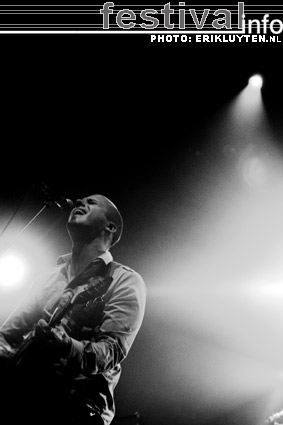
(70, 203)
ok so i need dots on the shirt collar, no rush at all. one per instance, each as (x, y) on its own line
(106, 257)
(66, 258)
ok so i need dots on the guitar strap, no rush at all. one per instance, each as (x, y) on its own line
(93, 284)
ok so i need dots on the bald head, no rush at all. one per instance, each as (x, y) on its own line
(94, 216)
(114, 216)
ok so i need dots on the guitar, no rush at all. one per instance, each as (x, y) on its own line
(30, 349)
(33, 377)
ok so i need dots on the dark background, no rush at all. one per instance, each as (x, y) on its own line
(127, 118)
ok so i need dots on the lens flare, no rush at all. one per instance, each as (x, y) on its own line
(12, 269)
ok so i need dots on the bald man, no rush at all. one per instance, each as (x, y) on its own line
(62, 350)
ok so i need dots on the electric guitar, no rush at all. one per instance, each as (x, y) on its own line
(34, 376)
(30, 349)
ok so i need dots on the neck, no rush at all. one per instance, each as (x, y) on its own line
(83, 254)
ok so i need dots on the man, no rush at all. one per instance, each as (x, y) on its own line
(62, 350)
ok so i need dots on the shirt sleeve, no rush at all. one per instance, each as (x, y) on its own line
(121, 320)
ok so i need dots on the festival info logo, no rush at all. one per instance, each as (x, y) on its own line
(165, 23)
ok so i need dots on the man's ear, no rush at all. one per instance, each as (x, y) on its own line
(111, 227)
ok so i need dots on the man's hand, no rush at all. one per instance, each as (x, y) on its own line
(5, 353)
(58, 340)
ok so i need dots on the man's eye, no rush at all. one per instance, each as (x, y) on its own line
(91, 201)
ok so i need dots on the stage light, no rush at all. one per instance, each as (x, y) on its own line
(12, 269)
(20, 266)
(247, 110)
(256, 81)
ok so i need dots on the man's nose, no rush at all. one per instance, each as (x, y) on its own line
(79, 202)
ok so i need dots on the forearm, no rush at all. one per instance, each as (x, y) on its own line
(96, 357)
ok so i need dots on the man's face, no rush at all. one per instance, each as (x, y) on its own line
(88, 218)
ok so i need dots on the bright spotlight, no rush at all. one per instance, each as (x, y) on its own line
(256, 81)
(12, 270)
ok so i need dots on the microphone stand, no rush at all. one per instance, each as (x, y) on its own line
(51, 197)
(47, 204)
(32, 220)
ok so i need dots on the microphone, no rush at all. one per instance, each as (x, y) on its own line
(54, 198)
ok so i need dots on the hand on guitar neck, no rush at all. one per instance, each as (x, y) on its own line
(54, 343)
(5, 352)
(48, 335)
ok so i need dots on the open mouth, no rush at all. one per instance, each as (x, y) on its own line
(79, 211)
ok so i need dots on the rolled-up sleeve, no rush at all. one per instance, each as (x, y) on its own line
(121, 320)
